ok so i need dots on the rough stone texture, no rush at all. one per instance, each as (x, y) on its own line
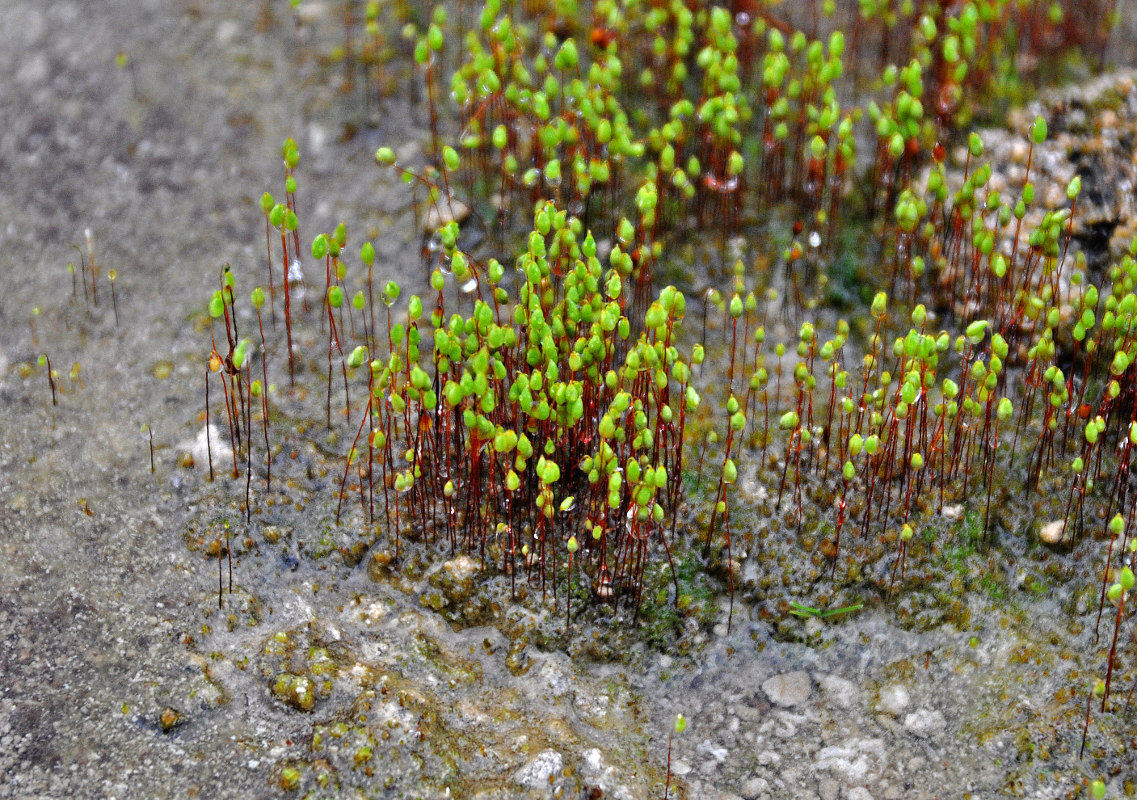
(539, 772)
(788, 689)
(925, 723)
(894, 699)
(838, 691)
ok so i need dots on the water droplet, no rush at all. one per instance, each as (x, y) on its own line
(814, 239)
(469, 286)
(295, 273)
(724, 186)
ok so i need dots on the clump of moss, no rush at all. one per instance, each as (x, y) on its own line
(547, 417)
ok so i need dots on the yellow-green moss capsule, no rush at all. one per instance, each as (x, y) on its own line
(1005, 409)
(729, 471)
(879, 304)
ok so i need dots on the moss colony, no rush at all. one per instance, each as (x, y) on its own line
(723, 300)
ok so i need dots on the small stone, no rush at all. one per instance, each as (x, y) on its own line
(788, 689)
(838, 691)
(756, 789)
(843, 759)
(456, 578)
(1054, 196)
(443, 213)
(858, 793)
(828, 789)
(378, 564)
(894, 699)
(228, 30)
(538, 772)
(715, 751)
(953, 513)
(169, 719)
(925, 723)
(1051, 532)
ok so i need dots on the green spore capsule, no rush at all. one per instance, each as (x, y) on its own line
(320, 246)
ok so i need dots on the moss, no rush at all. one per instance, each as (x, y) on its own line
(298, 691)
(289, 779)
(843, 239)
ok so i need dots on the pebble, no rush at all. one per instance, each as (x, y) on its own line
(925, 723)
(894, 699)
(768, 757)
(1051, 532)
(756, 789)
(828, 789)
(442, 213)
(788, 689)
(228, 30)
(844, 760)
(838, 691)
(953, 512)
(537, 773)
(716, 751)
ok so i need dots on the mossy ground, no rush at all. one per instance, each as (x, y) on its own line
(111, 616)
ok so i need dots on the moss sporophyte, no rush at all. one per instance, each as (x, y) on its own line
(545, 414)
